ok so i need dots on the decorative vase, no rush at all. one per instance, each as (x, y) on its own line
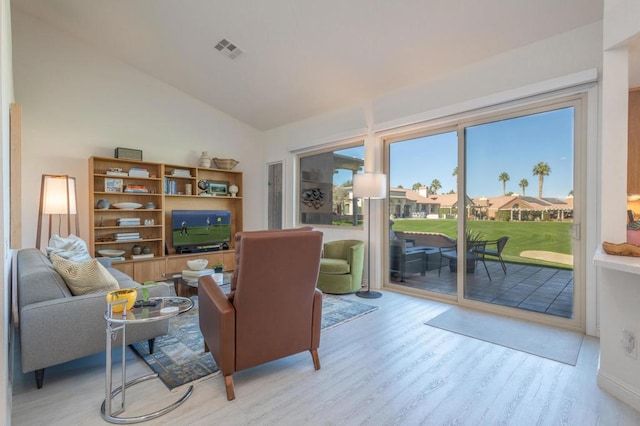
(136, 249)
(103, 204)
(146, 249)
(129, 294)
(233, 190)
(205, 160)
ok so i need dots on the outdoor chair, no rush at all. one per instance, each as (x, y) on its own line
(273, 310)
(475, 253)
(499, 243)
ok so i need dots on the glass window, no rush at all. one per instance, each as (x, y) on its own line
(326, 186)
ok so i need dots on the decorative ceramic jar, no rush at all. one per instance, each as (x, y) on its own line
(130, 294)
(205, 160)
(146, 249)
(233, 190)
(136, 249)
(103, 204)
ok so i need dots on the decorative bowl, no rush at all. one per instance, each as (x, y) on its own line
(111, 253)
(197, 264)
(129, 294)
(224, 163)
(127, 205)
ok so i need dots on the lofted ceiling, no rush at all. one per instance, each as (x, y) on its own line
(305, 57)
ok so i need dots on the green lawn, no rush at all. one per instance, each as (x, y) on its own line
(546, 236)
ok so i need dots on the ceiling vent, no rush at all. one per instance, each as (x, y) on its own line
(228, 49)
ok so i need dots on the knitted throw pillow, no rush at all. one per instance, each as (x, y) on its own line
(84, 278)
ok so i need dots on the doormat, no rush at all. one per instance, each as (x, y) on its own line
(537, 339)
(179, 356)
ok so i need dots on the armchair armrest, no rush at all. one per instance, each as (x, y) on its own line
(217, 323)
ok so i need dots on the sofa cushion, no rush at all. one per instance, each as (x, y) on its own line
(334, 266)
(84, 278)
(72, 248)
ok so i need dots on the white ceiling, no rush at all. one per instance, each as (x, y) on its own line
(305, 57)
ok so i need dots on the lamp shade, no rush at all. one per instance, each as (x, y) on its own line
(58, 194)
(370, 185)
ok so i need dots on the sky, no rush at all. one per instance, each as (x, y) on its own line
(513, 146)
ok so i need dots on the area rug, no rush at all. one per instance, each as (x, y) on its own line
(545, 341)
(179, 358)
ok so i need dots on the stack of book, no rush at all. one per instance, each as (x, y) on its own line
(181, 173)
(142, 256)
(138, 172)
(170, 186)
(188, 274)
(116, 173)
(136, 188)
(128, 221)
(126, 236)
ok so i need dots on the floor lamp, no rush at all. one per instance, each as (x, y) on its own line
(57, 197)
(368, 186)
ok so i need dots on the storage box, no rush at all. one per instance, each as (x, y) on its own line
(131, 154)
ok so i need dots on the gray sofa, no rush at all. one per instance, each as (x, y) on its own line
(57, 327)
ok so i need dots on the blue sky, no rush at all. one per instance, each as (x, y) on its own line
(513, 146)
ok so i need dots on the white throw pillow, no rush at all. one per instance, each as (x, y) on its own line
(84, 278)
(72, 248)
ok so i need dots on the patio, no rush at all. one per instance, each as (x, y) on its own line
(533, 288)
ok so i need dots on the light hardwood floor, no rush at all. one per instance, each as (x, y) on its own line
(384, 368)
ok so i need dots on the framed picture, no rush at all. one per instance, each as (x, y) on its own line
(112, 185)
(218, 187)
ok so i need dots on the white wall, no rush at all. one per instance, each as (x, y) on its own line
(620, 293)
(548, 59)
(78, 102)
(6, 95)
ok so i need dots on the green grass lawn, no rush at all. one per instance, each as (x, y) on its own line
(546, 236)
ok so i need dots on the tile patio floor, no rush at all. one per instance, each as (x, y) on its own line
(533, 288)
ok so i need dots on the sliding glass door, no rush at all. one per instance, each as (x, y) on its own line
(484, 212)
(519, 190)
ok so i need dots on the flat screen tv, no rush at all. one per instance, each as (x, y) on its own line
(199, 228)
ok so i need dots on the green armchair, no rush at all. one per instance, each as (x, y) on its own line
(341, 267)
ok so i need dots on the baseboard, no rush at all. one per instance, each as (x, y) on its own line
(620, 390)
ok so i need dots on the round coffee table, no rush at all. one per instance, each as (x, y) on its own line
(187, 287)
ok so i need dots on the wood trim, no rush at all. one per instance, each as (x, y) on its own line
(15, 165)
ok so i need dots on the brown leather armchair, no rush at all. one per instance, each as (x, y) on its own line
(273, 310)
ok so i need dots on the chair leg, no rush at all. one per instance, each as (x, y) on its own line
(39, 378)
(486, 269)
(151, 343)
(228, 384)
(504, 267)
(316, 358)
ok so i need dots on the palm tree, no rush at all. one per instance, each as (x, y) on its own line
(541, 170)
(523, 184)
(416, 186)
(455, 173)
(504, 177)
(435, 186)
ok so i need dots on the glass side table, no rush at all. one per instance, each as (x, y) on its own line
(165, 308)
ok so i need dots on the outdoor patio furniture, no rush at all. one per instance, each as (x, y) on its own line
(406, 260)
(499, 243)
(475, 254)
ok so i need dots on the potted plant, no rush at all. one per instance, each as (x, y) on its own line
(473, 237)
(218, 267)
(633, 232)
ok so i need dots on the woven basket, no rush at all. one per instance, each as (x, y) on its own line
(224, 163)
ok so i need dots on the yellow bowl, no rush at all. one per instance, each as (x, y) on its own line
(129, 294)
